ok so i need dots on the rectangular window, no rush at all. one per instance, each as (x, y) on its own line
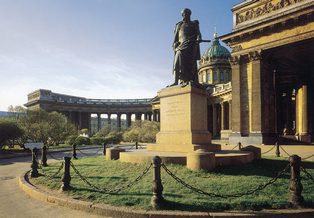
(215, 76)
(221, 75)
(209, 77)
(227, 76)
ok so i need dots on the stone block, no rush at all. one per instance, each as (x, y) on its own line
(256, 151)
(113, 153)
(200, 160)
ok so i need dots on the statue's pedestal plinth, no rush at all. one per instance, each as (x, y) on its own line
(183, 115)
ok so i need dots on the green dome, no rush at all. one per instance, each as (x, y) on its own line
(216, 52)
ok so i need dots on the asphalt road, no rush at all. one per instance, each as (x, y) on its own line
(16, 203)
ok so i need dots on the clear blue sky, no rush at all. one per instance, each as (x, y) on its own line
(98, 48)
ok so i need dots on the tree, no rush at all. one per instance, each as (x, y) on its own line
(142, 131)
(59, 128)
(16, 111)
(9, 130)
(105, 131)
(41, 126)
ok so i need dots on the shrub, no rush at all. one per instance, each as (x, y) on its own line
(112, 139)
(97, 140)
(81, 140)
(70, 139)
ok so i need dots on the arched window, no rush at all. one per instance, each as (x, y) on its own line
(227, 76)
(221, 76)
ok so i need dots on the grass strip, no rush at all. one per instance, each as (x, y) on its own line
(224, 180)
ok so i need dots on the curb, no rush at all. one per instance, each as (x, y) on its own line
(112, 211)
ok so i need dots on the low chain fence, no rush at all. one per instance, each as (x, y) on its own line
(110, 190)
(59, 158)
(294, 164)
(249, 192)
(269, 150)
(277, 146)
(136, 144)
(89, 154)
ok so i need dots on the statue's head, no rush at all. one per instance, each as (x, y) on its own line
(186, 13)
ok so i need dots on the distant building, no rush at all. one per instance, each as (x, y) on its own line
(4, 114)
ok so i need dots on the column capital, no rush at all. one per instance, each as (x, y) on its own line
(255, 55)
(235, 60)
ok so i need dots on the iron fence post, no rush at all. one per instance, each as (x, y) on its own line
(277, 149)
(74, 151)
(136, 145)
(239, 144)
(34, 165)
(44, 156)
(295, 185)
(157, 188)
(104, 152)
(66, 177)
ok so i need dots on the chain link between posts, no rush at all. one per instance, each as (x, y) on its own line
(40, 166)
(235, 147)
(306, 173)
(110, 190)
(261, 187)
(269, 150)
(89, 154)
(290, 155)
(54, 175)
(59, 158)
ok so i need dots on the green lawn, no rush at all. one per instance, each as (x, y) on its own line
(227, 180)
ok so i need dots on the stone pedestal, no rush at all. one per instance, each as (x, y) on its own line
(183, 127)
(113, 153)
(256, 151)
(200, 160)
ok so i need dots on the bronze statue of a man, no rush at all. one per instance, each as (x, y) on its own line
(186, 47)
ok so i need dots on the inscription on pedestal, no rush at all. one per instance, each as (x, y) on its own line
(174, 109)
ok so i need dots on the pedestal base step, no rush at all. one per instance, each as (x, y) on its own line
(183, 148)
(222, 158)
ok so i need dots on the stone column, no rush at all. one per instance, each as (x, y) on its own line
(255, 100)
(99, 121)
(138, 116)
(80, 120)
(155, 115)
(158, 116)
(109, 118)
(304, 111)
(119, 120)
(230, 113)
(128, 119)
(214, 120)
(89, 121)
(222, 115)
(236, 95)
(70, 116)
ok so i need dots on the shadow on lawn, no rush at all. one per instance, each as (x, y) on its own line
(263, 167)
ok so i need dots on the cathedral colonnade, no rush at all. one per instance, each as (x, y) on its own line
(93, 114)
